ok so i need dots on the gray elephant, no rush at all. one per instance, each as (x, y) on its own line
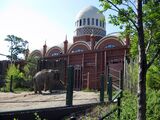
(44, 80)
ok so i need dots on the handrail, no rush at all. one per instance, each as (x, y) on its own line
(118, 96)
(108, 114)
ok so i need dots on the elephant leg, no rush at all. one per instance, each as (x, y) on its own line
(35, 86)
(40, 92)
(35, 89)
(45, 87)
(50, 90)
(39, 89)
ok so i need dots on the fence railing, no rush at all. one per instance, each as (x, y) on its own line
(116, 98)
(111, 100)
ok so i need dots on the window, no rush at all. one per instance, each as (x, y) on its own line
(88, 21)
(92, 21)
(110, 46)
(80, 22)
(96, 22)
(100, 22)
(77, 23)
(77, 50)
(84, 21)
(55, 54)
(103, 24)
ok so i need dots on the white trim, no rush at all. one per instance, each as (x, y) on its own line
(105, 39)
(52, 48)
(79, 43)
(35, 52)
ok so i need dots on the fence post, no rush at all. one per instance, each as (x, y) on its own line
(121, 83)
(102, 88)
(119, 105)
(110, 89)
(11, 84)
(107, 76)
(70, 80)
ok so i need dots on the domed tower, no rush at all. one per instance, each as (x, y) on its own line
(89, 21)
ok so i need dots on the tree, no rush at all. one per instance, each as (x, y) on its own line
(17, 47)
(138, 20)
(17, 76)
(31, 66)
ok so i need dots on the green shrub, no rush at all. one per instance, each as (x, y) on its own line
(153, 104)
(153, 79)
(17, 77)
(129, 107)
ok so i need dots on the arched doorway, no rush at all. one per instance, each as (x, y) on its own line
(77, 77)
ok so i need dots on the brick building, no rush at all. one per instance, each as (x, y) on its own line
(91, 53)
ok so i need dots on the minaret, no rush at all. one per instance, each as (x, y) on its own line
(65, 45)
(44, 49)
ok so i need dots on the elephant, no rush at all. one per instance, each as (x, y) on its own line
(46, 79)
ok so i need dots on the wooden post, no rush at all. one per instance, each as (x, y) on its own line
(102, 88)
(70, 80)
(110, 89)
(11, 83)
(121, 83)
(119, 109)
(88, 80)
(107, 68)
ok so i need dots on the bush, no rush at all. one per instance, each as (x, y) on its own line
(153, 104)
(129, 107)
(153, 79)
(17, 77)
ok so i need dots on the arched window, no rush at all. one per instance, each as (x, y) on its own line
(77, 50)
(103, 24)
(88, 21)
(100, 22)
(77, 23)
(80, 22)
(55, 54)
(96, 22)
(110, 46)
(92, 21)
(84, 21)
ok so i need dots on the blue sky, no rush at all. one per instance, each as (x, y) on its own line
(38, 21)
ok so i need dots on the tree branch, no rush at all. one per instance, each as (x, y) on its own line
(132, 21)
(129, 6)
(133, 4)
(149, 43)
(114, 10)
(153, 58)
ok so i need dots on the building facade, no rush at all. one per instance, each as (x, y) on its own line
(91, 53)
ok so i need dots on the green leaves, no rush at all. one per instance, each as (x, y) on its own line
(105, 5)
(17, 46)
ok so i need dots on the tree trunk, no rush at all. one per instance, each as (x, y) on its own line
(141, 115)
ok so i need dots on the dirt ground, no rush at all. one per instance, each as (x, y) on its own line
(29, 100)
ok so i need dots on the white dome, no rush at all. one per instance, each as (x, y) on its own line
(90, 21)
(89, 12)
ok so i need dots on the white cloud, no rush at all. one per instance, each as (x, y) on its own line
(29, 25)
